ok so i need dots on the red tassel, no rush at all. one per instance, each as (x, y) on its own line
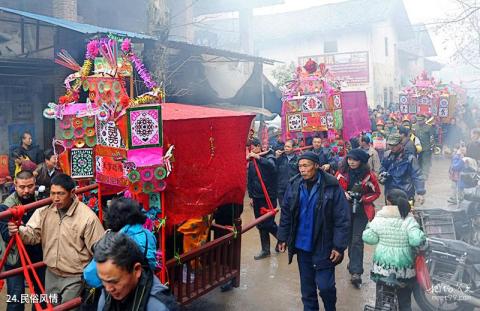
(264, 210)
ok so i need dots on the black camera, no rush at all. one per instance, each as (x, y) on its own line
(356, 197)
(383, 177)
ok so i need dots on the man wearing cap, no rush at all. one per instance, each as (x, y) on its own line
(425, 134)
(267, 168)
(400, 170)
(390, 127)
(315, 225)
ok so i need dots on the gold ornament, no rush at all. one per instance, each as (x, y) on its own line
(87, 66)
(146, 99)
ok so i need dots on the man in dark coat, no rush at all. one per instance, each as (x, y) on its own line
(426, 135)
(287, 167)
(27, 150)
(315, 225)
(268, 171)
(325, 158)
(408, 145)
(46, 171)
(400, 170)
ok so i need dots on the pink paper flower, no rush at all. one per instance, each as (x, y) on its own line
(92, 49)
(126, 45)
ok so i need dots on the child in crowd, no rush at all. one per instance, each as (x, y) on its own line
(395, 232)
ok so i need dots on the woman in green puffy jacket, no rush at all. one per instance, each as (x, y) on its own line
(395, 232)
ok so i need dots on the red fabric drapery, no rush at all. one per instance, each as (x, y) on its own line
(209, 159)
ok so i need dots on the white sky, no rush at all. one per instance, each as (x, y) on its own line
(419, 11)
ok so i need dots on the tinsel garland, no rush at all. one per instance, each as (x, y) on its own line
(142, 71)
(146, 99)
(86, 68)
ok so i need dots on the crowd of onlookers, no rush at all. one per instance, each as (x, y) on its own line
(111, 266)
(397, 153)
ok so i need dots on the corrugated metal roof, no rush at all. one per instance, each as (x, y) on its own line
(202, 49)
(75, 26)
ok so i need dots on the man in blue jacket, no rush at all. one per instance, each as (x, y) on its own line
(315, 225)
(400, 170)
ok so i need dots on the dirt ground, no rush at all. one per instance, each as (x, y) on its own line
(272, 284)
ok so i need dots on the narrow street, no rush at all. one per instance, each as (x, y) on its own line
(272, 284)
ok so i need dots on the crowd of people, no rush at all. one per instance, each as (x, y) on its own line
(111, 265)
(327, 191)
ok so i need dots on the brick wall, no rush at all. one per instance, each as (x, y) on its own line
(66, 9)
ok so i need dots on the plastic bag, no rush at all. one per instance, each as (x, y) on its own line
(423, 275)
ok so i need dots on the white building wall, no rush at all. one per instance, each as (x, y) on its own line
(384, 70)
(384, 65)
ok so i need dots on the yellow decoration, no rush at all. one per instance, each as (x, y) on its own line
(86, 68)
(146, 99)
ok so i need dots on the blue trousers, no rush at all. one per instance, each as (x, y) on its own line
(311, 280)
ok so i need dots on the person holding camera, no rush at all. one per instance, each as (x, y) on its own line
(400, 170)
(361, 190)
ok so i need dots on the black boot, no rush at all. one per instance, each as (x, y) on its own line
(356, 280)
(265, 241)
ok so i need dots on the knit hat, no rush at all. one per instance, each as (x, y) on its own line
(28, 165)
(359, 155)
(309, 155)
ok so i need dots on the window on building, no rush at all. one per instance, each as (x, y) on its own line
(390, 91)
(385, 97)
(386, 46)
(330, 47)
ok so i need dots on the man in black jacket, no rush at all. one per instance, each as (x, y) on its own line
(46, 171)
(27, 150)
(268, 171)
(287, 167)
(315, 225)
(325, 158)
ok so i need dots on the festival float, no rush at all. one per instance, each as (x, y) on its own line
(314, 102)
(427, 97)
(180, 162)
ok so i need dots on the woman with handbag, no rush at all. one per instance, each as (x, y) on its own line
(396, 233)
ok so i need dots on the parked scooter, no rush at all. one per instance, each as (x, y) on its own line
(455, 276)
(452, 255)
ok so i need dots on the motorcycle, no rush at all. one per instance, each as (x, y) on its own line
(452, 253)
(455, 276)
